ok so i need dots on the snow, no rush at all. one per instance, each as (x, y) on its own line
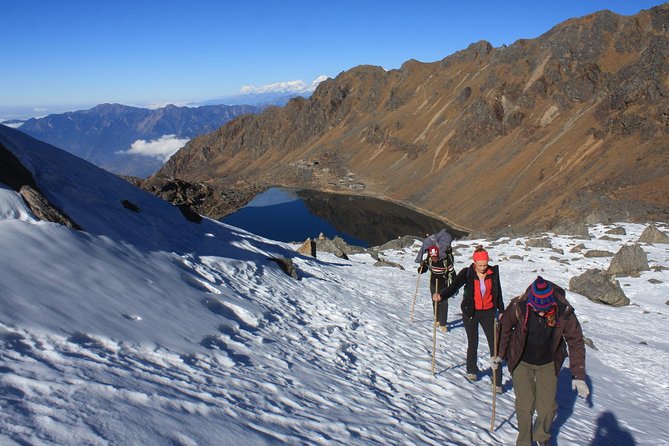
(149, 329)
(296, 86)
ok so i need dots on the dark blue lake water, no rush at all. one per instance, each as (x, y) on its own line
(291, 215)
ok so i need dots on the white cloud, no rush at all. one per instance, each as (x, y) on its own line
(14, 125)
(158, 105)
(161, 148)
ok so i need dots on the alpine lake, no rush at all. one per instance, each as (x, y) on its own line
(293, 215)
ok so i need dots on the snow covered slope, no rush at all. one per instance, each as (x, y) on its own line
(149, 329)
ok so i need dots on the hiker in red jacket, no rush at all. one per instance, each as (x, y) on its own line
(536, 330)
(481, 302)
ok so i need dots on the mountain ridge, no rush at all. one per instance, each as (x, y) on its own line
(102, 133)
(571, 125)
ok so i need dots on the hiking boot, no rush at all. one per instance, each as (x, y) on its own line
(443, 328)
(471, 376)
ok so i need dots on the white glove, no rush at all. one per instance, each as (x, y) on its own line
(495, 361)
(581, 387)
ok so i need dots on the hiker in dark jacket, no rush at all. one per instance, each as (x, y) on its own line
(481, 303)
(441, 275)
(536, 330)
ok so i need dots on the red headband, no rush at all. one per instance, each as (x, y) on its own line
(481, 255)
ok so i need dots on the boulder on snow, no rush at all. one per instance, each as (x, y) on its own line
(406, 241)
(618, 230)
(383, 262)
(286, 265)
(577, 248)
(653, 235)
(308, 248)
(597, 253)
(337, 246)
(630, 259)
(130, 206)
(189, 214)
(538, 243)
(599, 287)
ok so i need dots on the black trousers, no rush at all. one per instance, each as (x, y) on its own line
(486, 319)
(442, 307)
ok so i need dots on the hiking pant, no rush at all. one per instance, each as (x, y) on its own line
(535, 387)
(442, 308)
(486, 319)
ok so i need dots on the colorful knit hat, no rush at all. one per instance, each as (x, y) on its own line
(540, 295)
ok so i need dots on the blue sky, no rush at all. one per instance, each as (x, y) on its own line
(73, 54)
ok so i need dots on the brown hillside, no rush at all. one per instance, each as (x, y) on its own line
(572, 125)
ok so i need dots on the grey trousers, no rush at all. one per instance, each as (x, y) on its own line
(535, 387)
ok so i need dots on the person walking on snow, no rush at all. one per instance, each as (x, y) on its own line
(536, 328)
(441, 275)
(441, 240)
(481, 303)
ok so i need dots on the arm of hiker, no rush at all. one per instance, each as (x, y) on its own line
(573, 336)
(450, 290)
(507, 321)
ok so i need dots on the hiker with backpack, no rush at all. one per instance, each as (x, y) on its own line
(441, 240)
(481, 304)
(441, 275)
(536, 330)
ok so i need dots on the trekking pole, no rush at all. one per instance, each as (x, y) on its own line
(494, 380)
(434, 329)
(415, 293)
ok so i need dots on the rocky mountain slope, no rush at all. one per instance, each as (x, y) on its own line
(572, 125)
(99, 134)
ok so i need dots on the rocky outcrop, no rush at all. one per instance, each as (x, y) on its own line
(43, 209)
(337, 246)
(308, 248)
(570, 126)
(198, 198)
(286, 265)
(16, 176)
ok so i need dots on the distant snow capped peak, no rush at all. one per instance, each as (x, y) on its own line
(296, 86)
(317, 81)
